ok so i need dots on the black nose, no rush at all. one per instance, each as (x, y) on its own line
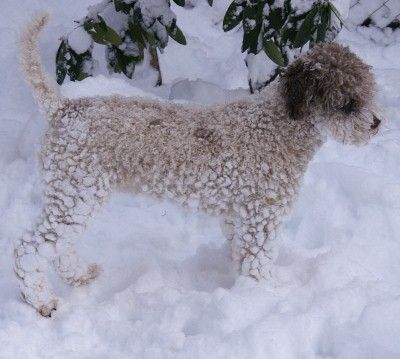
(376, 123)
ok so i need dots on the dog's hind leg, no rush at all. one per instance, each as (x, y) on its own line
(51, 241)
(69, 201)
(77, 202)
(32, 253)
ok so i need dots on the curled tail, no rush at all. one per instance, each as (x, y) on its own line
(45, 92)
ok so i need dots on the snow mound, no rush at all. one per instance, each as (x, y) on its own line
(102, 86)
(79, 40)
(204, 92)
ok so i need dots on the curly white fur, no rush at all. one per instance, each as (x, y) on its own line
(242, 161)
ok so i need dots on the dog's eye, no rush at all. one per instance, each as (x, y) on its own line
(350, 107)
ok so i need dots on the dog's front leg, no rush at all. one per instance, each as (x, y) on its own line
(253, 246)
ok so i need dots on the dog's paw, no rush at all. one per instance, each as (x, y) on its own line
(46, 310)
(81, 275)
(73, 270)
(258, 266)
(37, 291)
(92, 272)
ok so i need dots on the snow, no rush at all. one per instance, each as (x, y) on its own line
(260, 69)
(155, 9)
(204, 92)
(167, 288)
(79, 40)
(383, 12)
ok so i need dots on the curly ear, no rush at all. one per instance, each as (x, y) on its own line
(329, 73)
(297, 82)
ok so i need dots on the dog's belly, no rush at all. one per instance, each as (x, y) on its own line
(198, 188)
(217, 186)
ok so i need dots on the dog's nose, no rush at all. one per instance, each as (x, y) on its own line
(376, 123)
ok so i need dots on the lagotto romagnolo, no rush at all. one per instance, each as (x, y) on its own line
(242, 161)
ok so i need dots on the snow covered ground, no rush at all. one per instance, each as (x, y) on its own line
(167, 288)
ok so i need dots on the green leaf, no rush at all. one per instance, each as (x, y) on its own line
(101, 33)
(336, 12)
(102, 23)
(160, 37)
(307, 28)
(323, 26)
(81, 76)
(289, 34)
(68, 62)
(179, 2)
(233, 15)
(250, 41)
(119, 62)
(137, 33)
(275, 18)
(287, 8)
(97, 37)
(61, 62)
(95, 31)
(112, 37)
(121, 5)
(252, 27)
(77, 63)
(274, 53)
(177, 34)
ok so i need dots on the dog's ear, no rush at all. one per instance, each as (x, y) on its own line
(330, 75)
(298, 81)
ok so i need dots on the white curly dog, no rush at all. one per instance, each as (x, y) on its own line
(242, 161)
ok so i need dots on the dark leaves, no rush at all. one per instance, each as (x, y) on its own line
(179, 2)
(307, 28)
(124, 48)
(61, 62)
(68, 62)
(274, 53)
(177, 34)
(101, 32)
(279, 29)
(234, 15)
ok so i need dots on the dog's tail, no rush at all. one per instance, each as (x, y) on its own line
(45, 92)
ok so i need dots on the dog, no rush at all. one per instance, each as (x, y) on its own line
(242, 161)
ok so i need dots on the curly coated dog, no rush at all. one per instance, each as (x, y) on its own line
(243, 161)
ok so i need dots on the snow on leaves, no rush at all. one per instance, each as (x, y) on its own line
(126, 29)
(280, 28)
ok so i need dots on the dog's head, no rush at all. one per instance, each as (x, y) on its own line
(336, 90)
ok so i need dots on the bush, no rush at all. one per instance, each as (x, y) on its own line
(131, 30)
(138, 27)
(280, 30)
